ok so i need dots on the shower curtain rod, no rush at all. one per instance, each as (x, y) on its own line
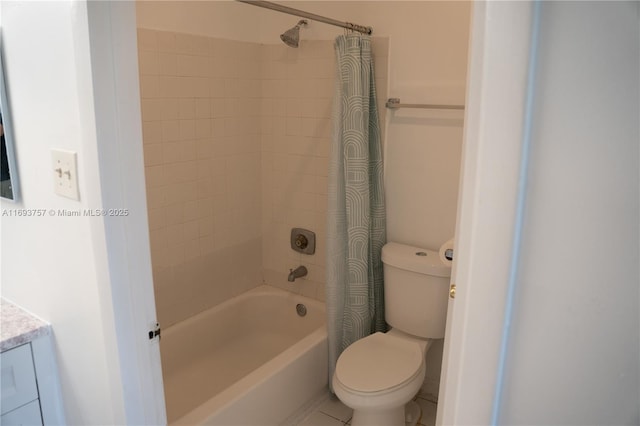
(312, 16)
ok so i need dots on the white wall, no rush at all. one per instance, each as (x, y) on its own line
(201, 126)
(56, 267)
(118, 132)
(494, 125)
(574, 351)
(298, 89)
(218, 18)
(427, 64)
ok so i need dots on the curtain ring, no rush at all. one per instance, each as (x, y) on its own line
(349, 28)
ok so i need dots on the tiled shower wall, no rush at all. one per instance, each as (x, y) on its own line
(236, 143)
(297, 91)
(201, 123)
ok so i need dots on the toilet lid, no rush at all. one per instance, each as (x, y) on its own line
(378, 362)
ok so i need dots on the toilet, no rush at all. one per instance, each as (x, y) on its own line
(379, 375)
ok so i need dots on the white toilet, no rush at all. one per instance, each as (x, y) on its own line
(381, 373)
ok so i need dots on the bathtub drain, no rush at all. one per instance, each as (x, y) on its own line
(301, 309)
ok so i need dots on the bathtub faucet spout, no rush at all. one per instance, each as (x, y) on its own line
(299, 272)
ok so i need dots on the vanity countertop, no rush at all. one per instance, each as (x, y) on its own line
(17, 326)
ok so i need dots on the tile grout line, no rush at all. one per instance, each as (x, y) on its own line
(336, 418)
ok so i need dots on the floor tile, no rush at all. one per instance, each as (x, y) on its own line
(305, 410)
(320, 419)
(429, 397)
(428, 412)
(328, 410)
(335, 408)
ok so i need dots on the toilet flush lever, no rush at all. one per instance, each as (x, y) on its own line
(452, 291)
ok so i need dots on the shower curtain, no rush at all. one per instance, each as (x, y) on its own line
(356, 222)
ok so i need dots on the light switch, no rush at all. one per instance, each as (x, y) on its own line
(65, 173)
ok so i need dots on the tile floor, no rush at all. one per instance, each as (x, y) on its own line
(329, 411)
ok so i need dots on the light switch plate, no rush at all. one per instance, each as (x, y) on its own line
(65, 173)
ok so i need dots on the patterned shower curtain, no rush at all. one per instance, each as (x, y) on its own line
(356, 222)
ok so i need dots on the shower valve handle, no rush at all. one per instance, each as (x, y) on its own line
(301, 241)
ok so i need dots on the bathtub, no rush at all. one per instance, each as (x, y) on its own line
(251, 360)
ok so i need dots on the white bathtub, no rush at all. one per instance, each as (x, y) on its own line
(250, 361)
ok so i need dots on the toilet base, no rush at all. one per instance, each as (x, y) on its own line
(388, 417)
(408, 415)
(412, 413)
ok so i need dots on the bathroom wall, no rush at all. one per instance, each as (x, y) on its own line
(236, 143)
(298, 88)
(58, 267)
(583, 206)
(427, 64)
(427, 58)
(201, 132)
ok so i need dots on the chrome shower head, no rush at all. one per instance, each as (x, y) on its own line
(291, 37)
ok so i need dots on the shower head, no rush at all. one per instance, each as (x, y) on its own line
(291, 37)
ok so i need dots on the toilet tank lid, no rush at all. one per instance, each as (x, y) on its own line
(414, 259)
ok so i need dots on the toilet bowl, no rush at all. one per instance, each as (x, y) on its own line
(378, 375)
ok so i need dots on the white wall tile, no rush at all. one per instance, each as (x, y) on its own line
(236, 137)
(151, 131)
(167, 64)
(148, 63)
(151, 109)
(169, 108)
(147, 40)
(153, 155)
(166, 42)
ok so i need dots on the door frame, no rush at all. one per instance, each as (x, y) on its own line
(493, 172)
(500, 42)
(118, 123)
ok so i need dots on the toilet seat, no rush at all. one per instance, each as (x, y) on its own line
(379, 363)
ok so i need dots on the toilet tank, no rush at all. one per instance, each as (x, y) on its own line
(416, 290)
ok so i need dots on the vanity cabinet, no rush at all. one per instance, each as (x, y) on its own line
(19, 402)
(29, 385)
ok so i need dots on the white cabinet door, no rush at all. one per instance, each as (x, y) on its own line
(18, 378)
(27, 415)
